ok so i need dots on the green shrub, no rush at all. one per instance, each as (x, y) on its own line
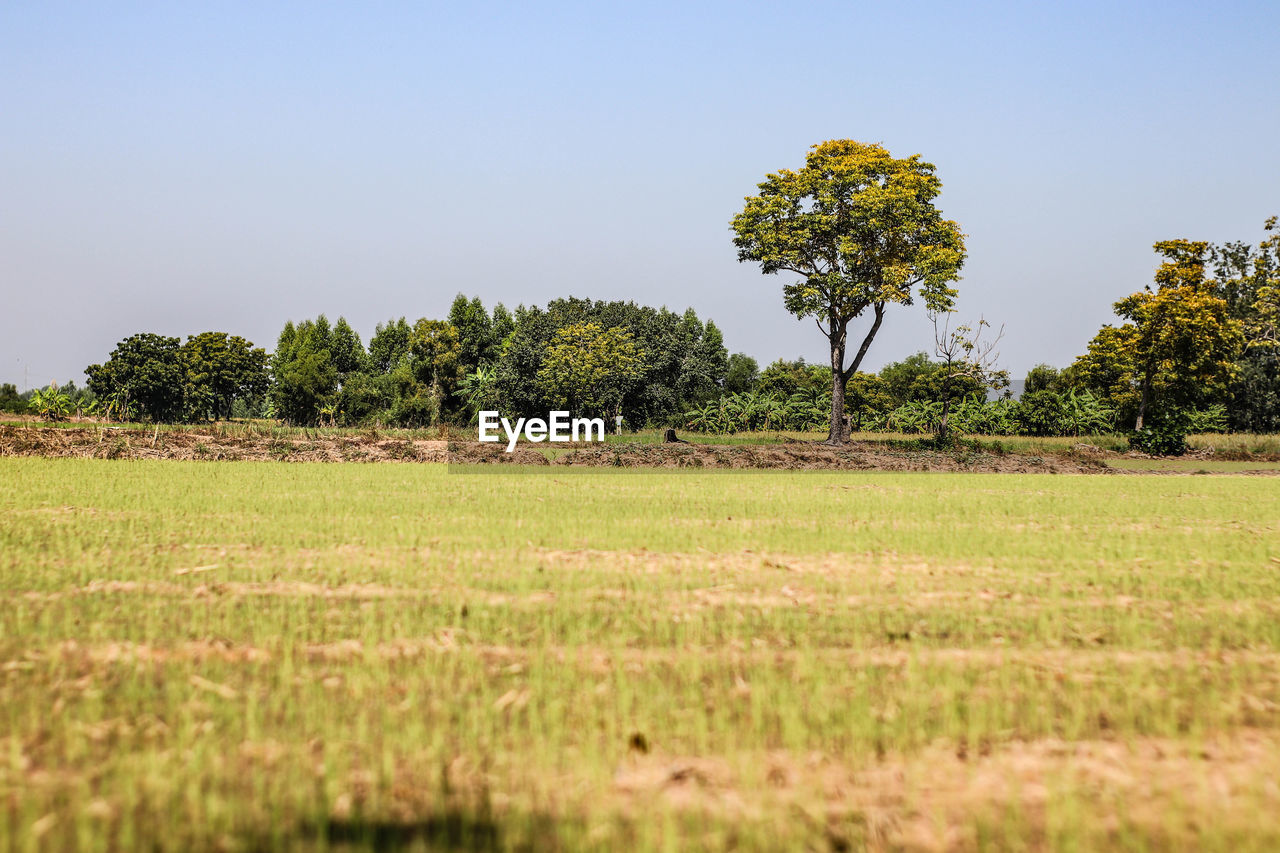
(1162, 439)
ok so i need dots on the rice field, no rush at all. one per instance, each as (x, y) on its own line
(275, 656)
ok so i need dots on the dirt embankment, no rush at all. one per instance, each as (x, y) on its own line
(861, 456)
(116, 443)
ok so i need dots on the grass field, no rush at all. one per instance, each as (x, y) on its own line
(293, 656)
(1179, 465)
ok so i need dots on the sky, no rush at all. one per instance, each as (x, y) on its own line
(184, 167)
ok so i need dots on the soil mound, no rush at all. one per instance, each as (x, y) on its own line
(101, 442)
(797, 455)
(120, 443)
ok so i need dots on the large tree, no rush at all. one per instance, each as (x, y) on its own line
(389, 345)
(1249, 280)
(221, 368)
(475, 332)
(144, 375)
(1176, 353)
(859, 228)
(346, 350)
(1184, 339)
(305, 380)
(436, 349)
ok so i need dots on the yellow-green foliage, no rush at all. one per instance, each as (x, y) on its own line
(587, 369)
(284, 656)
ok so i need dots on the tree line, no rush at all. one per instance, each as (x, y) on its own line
(1198, 350)
(605, 358)
(859, 231)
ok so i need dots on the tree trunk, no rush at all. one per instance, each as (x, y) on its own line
(1142, 404)
(840, 375)
(837, 433)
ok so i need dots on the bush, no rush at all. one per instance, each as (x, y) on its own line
(10, 400)
(1041, 413)
(1163, 439)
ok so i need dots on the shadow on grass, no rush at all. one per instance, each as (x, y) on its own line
(453, 830)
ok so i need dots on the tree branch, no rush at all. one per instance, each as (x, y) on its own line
(866, 343)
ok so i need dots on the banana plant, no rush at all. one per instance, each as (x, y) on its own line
(917, 416)
(50, 404)
(700, 419)
(118, 407)
(1085, 414)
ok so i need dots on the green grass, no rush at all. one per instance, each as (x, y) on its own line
(1180, 465)
(284, 656)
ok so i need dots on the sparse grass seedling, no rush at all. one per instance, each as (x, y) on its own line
(199, 655)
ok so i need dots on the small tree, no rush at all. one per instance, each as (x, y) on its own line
(1042, 377)
(436, 349)
(859, 228)
(10, 399)
(741, 373)
(588, 369)
(965, 361)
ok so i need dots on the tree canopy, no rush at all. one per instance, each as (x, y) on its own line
(588, 369)
(220, 369)
(145, 373)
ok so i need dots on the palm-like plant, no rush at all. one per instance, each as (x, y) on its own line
(1212, 419)
(118, 407)
(476, 387)
(1085, 414)
(700, 419)
(725, 419)
(50, 404)
(773, 412)
(916, 416)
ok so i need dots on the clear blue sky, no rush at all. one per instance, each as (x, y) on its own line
(176, 167)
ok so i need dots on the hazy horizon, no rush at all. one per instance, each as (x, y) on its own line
(183, 169)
